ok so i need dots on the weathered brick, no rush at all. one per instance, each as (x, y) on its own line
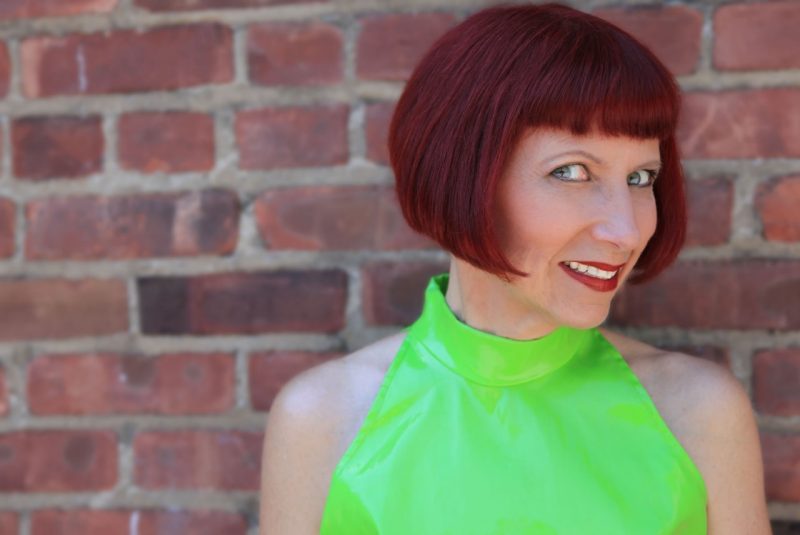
(785, 527)
(54, 308)
(757, 123)
(3, 396)
(189, 5)
(170, 142)
(740, 294)
(390, 46)
(146, 522)
(757, 36)
(225, 459)
(51, 147)
(376, 131)
(57, 460)
(292, 137)
(8, 216)
(9, 523)
(270, 370)
(776, 376)
(124, 61)
(133, 226)
(5, 68)
(393, 292)
(334, 217)
(710, 210)
(777, 202)
(781, 453)
(28, 9)
(244, 303)
(182, 383)
(294, 54)
(671, 32)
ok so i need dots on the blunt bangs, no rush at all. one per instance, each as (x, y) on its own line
(507, 69)
(599, 78)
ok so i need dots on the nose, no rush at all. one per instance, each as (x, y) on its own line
(617, 222)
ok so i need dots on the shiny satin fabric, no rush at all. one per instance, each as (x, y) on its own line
(472, 433)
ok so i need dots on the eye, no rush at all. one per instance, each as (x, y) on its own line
(573, 172)
(642, 177)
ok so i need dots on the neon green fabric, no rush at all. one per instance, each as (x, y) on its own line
(472, 433)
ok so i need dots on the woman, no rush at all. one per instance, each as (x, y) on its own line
(536, 144)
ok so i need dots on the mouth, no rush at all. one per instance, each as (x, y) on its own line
(595, 275)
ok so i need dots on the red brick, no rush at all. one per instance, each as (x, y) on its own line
(57, 460)
(393, 292)
(8, 215)
(9, 523)
(757, 36)
(390, 46)
(244, 303)
(710, 208)
(777, 202)
(785, 527)
(334, 217)
(28, 9)
(292, 137)
(225, 459)
(51, 147)
(127, 61)
(202, 222)
(188, 5)
(54, 308)
(741, 294)
(376, 131)
(182, 383)
(270, 370)
(146, 522)
(776, 376)
(3, 396)
(170, 142)
(5, 68)
(671, 32)
(781, 454)
(294, 54)
(757, 123)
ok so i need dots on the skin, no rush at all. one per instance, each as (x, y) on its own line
(600, 208)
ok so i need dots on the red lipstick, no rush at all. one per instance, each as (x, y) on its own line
(594, 283)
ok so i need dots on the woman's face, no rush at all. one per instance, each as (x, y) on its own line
(568, 204)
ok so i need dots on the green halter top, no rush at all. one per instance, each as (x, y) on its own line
(472, 433)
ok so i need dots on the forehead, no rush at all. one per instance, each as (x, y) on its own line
(543, 144)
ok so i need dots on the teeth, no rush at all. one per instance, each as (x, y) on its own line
(591, 270)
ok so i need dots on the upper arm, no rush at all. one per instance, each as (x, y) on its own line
(731, 461)
(298, 446)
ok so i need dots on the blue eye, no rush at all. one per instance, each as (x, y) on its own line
(573, 172)
(642, 178)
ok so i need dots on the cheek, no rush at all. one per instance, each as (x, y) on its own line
(532, 225)
(647, 218)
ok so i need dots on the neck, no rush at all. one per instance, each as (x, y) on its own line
(487, 303)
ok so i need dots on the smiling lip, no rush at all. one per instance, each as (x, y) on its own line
(594, 283)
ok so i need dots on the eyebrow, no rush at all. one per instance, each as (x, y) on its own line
(595, 159)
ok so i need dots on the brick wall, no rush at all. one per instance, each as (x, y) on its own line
(195, 205)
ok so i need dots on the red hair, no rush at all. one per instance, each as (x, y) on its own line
(509, 68)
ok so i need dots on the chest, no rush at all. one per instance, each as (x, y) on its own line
(471, 459)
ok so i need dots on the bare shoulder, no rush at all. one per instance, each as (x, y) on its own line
(709, 411)
(313, 419)
(674, 380)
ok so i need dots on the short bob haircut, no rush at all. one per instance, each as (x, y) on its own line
(509, 68)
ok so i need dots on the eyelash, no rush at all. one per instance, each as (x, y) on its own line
(652, 173)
